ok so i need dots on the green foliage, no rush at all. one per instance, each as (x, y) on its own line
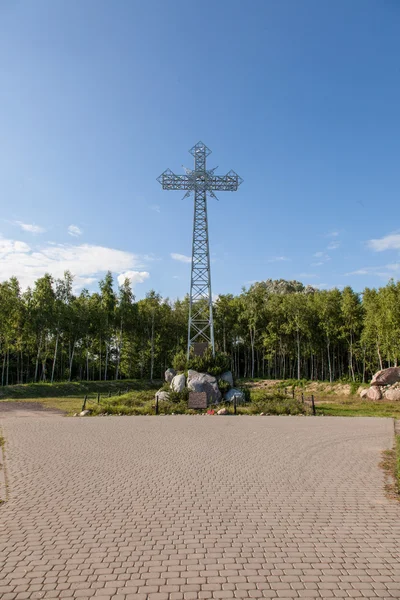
(179, 397)
(246, 392)
(273, 330)
(277, 405)
(214, 365)
(223, 386)
(179, 362)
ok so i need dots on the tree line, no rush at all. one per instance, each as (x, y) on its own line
(275, 329)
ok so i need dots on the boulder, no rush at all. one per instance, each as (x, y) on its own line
(222, 411)
(234, 393)
(374, 393)
(228, 377)
(84, 413)
(162, 395)
(392, 394)
(386, 376)
(178, 383)
(203, 382)
(169, 375)
(363, 392)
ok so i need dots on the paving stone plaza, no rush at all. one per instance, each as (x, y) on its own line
(187, 507)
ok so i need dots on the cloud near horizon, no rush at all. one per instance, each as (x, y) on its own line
(387, 242)
(134, 277)
(31, 227)
(86, 262)
(181, 257)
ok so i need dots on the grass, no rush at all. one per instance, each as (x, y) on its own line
(353, 406)
(72, 388)
(69, 396)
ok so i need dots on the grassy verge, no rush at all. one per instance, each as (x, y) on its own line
(73, 388)
(357, 407)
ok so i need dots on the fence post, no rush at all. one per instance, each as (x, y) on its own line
(313, 406)
(285, 391)
(302, 397)
(293, 393)
(119, 392)
(98, 397)
(234, 404)
(109, 394)
(156, 404)
(84, 403)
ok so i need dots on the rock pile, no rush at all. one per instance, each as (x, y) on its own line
(201, 382)
(384, 384)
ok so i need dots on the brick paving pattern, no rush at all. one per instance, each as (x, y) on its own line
(182, 508)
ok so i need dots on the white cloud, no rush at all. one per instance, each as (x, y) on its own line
(181, 257)
(388, 242)
(385, 271)
(323, 259)
(74, 230)
(86, 262)
(333, 246)
(31, 227)
(278, 259)
(133, 276)
(155, 207)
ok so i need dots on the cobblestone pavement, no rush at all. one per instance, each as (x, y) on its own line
(180, 508)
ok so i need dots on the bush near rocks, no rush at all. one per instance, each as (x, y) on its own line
(207, 363)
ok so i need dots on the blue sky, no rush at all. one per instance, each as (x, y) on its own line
(300, 98)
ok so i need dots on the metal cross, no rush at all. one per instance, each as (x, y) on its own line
(200, 181)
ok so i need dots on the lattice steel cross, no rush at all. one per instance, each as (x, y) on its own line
(200, 181)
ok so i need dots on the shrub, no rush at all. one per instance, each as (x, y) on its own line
(214, 365)
(223, 386)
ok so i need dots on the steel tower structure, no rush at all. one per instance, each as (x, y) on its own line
(201, 181)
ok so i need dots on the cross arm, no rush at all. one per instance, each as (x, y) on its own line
(170, 181)
(225, 183)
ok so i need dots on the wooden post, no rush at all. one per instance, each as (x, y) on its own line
(109, 394)
(293, 393)
(157, 404)
(313, 406)
(84, 403)
(234, 404)
(302, 397)
(98, 397)
(119, 392)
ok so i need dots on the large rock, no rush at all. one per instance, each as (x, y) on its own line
(386, 376)
(392, 394)
(162, 396)
(363, 392)
(374, 393)
(203, 382)
(223, 411)
(234, 393)
(228, 377)
(169, 375)
(178, 383)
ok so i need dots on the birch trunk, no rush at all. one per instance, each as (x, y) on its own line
(54, 358)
